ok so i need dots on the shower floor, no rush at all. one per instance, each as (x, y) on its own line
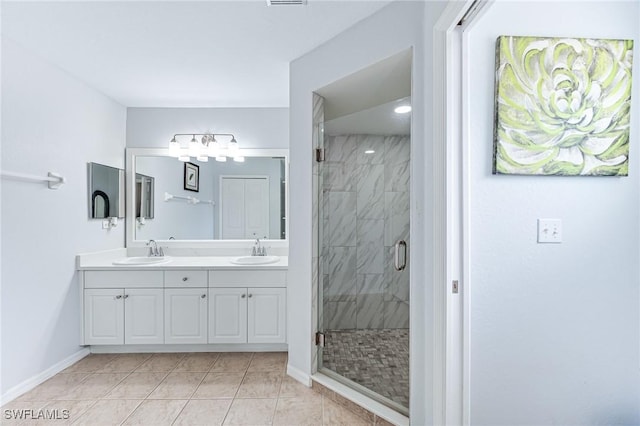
(375, 359)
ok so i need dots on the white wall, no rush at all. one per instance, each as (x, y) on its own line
(253, 127)
(397, 27)
(50, 122)
(554, 328)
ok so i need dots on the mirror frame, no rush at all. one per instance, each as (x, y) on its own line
(130, 220)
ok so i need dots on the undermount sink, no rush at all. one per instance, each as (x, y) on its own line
(143, 260)
(254, 260)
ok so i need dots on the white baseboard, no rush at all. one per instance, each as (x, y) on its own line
(299, 375)
(160, 348)
(34, 381)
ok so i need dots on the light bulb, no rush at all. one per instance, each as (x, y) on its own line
(194, 147)
(202, 158)
(233, 146)
(214, 147)
(183, 158)
(221, 158)
(174, 147)
(238, 159)
(402, 109)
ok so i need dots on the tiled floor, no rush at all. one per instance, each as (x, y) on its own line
(375, 359)
(179, 389)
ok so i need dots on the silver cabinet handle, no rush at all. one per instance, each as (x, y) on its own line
(185, 278)
(119, 296)
(203, 296)
(243, 296)
(400, 245)
(126, 296)
(251, 295)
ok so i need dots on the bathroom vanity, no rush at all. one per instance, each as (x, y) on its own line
(204, 300)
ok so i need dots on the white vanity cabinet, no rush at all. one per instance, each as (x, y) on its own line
(185, 306)
(227, 315)
(123, 309)
(247, 307)
(266, 315)
(103, 316)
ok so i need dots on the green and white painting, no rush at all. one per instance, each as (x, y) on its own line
(562, 106)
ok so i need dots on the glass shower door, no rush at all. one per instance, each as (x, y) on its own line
(363, 211)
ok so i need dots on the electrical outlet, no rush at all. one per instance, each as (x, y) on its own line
(105, 224)
(549, 231)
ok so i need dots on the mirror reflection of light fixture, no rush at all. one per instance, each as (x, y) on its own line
(208, 146)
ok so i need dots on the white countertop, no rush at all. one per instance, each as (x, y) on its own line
(104, 260)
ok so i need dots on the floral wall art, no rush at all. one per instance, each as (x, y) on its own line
(562, 106)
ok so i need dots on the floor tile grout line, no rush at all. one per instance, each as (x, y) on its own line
(162, 380)
(237, 390)
(281, 375)
(131, 413)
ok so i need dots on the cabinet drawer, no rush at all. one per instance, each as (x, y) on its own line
(120, 279)
(253, 278)
(185, 278)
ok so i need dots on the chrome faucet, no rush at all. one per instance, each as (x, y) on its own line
(154, 250)
(256, 250)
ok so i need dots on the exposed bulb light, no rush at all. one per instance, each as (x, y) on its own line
(204, 145)
(402, 109)
(214, 147)
(194, 147)
(233, 146)
(369, 151)
(174, 147)
(238, 159)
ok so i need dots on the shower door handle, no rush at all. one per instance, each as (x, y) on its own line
(400, 245)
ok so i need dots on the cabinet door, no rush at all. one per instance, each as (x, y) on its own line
(185, 315)
(227, 315)
(143, 316)
(267, 315)
(104, 316)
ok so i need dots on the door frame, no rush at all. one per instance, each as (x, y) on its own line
(451, 381)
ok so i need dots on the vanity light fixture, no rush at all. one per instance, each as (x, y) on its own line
(207, 146)
(402, 109)
(369, 151)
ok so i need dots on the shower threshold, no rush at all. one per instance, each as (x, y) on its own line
(359, 395)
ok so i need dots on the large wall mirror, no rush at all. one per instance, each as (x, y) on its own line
(106, 191)
(222, 201)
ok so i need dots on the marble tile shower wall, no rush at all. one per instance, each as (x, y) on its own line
(365, 210)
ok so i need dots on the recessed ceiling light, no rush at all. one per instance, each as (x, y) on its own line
(402, 109)
(369, 151)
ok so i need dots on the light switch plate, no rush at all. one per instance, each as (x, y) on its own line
(549, 231)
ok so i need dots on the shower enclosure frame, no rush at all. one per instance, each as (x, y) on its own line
(399, 156)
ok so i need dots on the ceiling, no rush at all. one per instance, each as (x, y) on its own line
(181, 53)
(378, 120)
(377, 84)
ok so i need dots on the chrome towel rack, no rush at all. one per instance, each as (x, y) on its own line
(188, 199)
(54, 180)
